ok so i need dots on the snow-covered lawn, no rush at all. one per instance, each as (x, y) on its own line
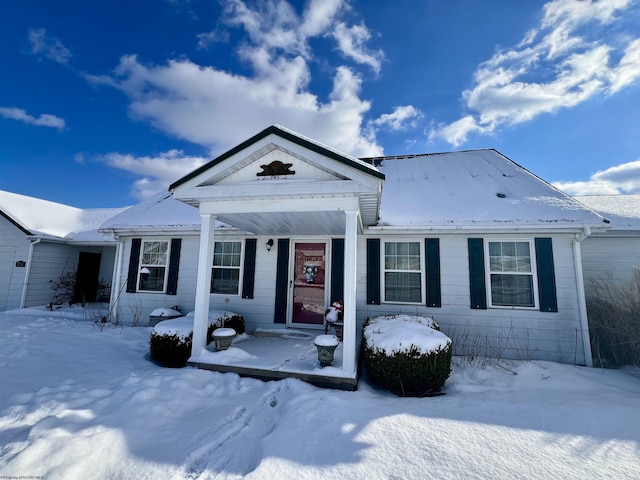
(79, 403)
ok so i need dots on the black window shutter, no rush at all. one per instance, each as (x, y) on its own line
(282, 280)
(249, 270)
(546, 275)
(174, 265)
(134, 258)
(477, 284)
(373, 271)
(337, 269)
(432, 259)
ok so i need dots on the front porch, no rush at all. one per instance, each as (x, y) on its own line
(315, 202)
(275, 355)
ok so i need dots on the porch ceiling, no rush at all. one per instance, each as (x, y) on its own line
(287, 223)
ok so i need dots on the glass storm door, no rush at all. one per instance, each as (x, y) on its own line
(309, 279)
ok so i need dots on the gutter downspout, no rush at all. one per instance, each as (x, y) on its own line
(115, 281)
(27, 274)
(582, 301)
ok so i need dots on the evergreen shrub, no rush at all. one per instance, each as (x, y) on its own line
(406, 355)
(170, 350)
(171, 340)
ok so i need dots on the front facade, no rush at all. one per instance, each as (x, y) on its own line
(279, 227)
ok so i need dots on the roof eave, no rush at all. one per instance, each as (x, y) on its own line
(15, 223)
(164, 230)
(492, 229)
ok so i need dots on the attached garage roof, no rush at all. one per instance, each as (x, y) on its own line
(38, 217)
(623, 211)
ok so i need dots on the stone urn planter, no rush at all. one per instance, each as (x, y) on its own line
(326, 345)
(223, 338)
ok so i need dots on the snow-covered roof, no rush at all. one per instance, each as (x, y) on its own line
(468, 189)
(161, 212)
(622, 210)
(475, 188)
(49, 219)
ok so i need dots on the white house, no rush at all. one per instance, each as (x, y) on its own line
(487, 248)
(41, 241)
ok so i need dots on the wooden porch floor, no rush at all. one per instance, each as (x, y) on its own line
(277, 354)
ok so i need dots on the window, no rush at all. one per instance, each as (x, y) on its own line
(153, 266)
(403, 275)
(511, 274)
(225, 276)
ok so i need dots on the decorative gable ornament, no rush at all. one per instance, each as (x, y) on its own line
(276, 168)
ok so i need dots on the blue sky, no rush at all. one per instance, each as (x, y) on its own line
(104, 103)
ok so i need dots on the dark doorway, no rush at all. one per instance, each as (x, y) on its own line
(87, 277)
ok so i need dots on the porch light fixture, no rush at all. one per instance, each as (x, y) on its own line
(269, 244)
(145, 271)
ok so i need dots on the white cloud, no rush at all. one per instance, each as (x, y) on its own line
(274, 25)
(50, 47)
(319, 16)
(628, 69)
(351, 42)
(44, 120)
(457, 132)
(567, 60)
(218, 109)
(157, 172)
(623, 178)
(400, 119)
(214, 36)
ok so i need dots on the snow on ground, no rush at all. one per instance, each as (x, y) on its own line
(79, 403)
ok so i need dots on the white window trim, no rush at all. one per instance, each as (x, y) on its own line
(533, 273)
(383, 270)
(239, 267)
(142, 265)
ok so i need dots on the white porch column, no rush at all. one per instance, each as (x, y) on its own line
(203, 284)
(349, 314)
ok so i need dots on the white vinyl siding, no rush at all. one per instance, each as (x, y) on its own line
(510, 332)
(600, 265)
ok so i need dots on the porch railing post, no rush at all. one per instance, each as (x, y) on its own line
(203, 285)
(349, 314)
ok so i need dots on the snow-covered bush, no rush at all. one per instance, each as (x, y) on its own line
(171, 340)
(406, 354)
